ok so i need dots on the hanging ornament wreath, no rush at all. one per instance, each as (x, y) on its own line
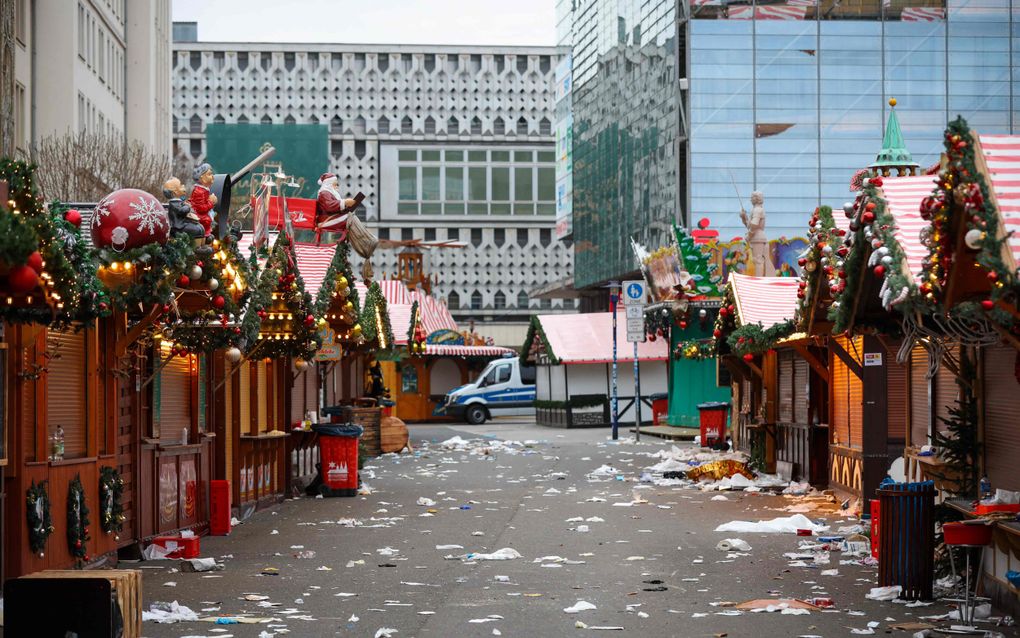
(38, 515)
(77, 521)
(111, 509)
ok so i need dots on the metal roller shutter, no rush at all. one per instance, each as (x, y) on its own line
(847, 396)
(801, 390)
(785, 386)
(1002, 445)
(856, 405)
(228, 420)
(297, 397)
(946, 392)
(65, 390)
(920, 406)
(897, 405)
(244, 401)
(262, 398)
(174, 407)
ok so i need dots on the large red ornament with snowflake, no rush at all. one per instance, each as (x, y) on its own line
(129, 218)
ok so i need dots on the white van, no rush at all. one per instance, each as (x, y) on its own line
(504, 388)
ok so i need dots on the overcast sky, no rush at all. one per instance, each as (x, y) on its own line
(496, 22)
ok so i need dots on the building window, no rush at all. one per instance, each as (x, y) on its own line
(383, 126)
(522, 126)
(499, 237)
(522, 237)
(476, 300)
(266, 120)
(453, 300)
(430, 126)
(476, 237)
(499, 300)
(430, 234)
(406, 125)
(522, 299)
(545, 304)
(382, 62)
(336, 148)
(476, 126)
(336, 125)
(406, 234)
(196, 148)
(19, 117)
(360, 148)
(288, 61)
(499, 127)
(545, 127)
(242, 60)
(452, 127)
(545, 236)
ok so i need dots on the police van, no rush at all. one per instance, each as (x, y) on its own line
(504, 388)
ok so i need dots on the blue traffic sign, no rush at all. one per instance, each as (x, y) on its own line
(634, 292)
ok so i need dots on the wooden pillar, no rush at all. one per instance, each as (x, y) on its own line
(875, 414)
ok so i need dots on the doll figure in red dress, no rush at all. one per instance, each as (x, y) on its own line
(202, 201)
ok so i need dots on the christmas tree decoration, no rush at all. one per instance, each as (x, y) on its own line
(77, 521)
(129, 218)
(375, 319)
(111, 494)
(37, 514)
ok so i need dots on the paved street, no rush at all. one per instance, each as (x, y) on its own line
(651, 568)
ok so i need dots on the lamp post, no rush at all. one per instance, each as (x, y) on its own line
(614, 298)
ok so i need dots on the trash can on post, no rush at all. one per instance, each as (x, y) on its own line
(338, 458)
(660, 406)
(906, 538)
(712, 416)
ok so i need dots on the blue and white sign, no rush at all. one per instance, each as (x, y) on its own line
(634, 292)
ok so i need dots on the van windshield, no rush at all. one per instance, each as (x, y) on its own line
(487, 376)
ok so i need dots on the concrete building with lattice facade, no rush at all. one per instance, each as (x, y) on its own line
(446, 142)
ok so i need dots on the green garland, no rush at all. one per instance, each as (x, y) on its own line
(824, 240)
(77, 522)
(695, 349)
(962, 191)
(37, 515)
(535, 331)
(157, 267)
(76, 293)
(756, 339)
(376, 301)
(872, 241)
(725, 321)
(111, 494)
(212, 329)
(281, 276)
(339, 267)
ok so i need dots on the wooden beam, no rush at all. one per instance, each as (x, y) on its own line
(1007, 336)
(755, 369)
(134, 333)
(847, 359)
(816, 365)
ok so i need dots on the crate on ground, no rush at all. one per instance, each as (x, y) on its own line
(127, 589)
(179, 546)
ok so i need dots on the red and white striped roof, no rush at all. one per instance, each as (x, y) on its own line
(395, 291)
(434, 313)
(312, 262)
(1002, 155)
(400, 322)
(903, 197)
(466, 351)
(764, 300)
(588, 338)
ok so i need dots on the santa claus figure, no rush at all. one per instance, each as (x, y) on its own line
(331, 209)
(202, 201)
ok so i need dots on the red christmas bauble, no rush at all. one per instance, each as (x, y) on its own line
(309, 320)
(868, 217)
(717, 333)
(683, 325)
(651, 337)
(35, 262)
(22, 279)
(129, 218)
(73, 217)
(218, 301)
(183, 281)
(748, 357)
(992, 275)
(802, 262)
(987, 304)
(879, 270)
(103, 306)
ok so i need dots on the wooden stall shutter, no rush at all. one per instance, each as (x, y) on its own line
(847, 397)
(297, 398)
(801, 390)
(856, 407)
(1002, 405)
(228, 421)
(174, 399)
(896, 390)
(65, 390)
(946, 392)
(27, 396)
(203, 374)
(244, 388)
(312, 389)
(920, 407)
(262, 398)
(785, 386)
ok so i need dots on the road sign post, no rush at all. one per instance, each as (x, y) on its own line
(634, 297)
(614, 298)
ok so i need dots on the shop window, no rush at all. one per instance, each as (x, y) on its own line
(409, 380)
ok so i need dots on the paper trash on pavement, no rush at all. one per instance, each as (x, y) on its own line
(787, 525)
(579, 606)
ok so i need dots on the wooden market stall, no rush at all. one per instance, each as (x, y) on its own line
(769, 389)
(971, 279)
(573, 354)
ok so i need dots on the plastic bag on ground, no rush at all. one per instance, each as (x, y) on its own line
(733, 545)
(506, 553)
(884, 593)
(787, 525)
(169, 613)
(156, 552)
(579, 606)
(716, 470)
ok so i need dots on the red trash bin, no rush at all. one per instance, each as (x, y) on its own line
(876, 512)
(712, 417)
(338, 456)
(660, 407)
(219, 508)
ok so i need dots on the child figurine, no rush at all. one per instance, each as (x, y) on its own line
(201, 200)
(183, 220)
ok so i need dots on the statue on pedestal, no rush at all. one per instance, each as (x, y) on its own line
(759, 262)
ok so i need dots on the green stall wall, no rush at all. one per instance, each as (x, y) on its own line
(691, 381)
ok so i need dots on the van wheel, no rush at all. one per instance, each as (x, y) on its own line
(475, 415)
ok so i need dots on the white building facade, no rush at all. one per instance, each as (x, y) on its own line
(445, 142)
(101, 66)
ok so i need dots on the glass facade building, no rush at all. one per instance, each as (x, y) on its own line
(788, 98)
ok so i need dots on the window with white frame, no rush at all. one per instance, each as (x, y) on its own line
(499, 181)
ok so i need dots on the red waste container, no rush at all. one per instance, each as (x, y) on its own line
(219, 508)
(338, 458)
(660, 407)
(712, 417)
(876, 511)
